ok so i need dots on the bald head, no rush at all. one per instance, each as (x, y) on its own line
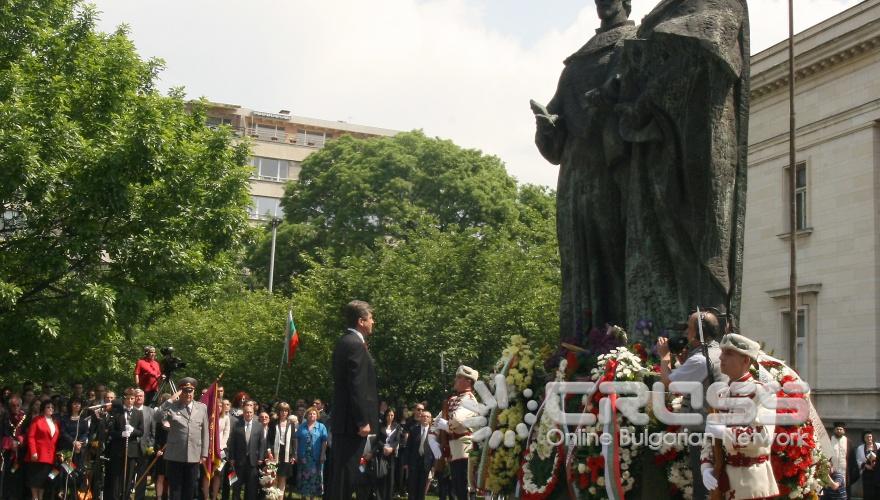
(711, 327)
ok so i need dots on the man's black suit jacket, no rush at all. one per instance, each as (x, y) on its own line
(355, 398)
(242, 451)
(412, 450)
(116, 426)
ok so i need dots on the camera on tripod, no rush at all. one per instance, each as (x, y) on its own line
(170, 362)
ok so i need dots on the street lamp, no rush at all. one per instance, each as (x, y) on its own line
(275, 223)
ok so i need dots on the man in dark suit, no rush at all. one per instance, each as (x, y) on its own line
(247, 448)
(420, 457)
(355, 399)
(147, 440)
(126, 426)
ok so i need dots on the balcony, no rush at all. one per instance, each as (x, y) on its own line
(280, 136)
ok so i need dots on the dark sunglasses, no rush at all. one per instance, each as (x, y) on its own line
(187, 389)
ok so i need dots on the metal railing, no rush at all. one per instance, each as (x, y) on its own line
(307, 140)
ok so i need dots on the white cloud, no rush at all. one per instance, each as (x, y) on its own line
(435, 65)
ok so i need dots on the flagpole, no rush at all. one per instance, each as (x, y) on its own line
(284, 354)
(280, 366)
(792, 187)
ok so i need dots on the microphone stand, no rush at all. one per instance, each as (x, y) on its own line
(75, 440)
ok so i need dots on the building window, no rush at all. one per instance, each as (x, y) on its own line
(800, 356)
(310, 138)
(800, 194)
(264, 208)
(217, 121)
(270, 169)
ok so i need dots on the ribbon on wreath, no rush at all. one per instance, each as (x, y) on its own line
(611, 449)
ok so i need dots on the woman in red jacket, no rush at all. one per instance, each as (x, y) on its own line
(41, 442)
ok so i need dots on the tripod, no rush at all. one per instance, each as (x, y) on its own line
(166, 383)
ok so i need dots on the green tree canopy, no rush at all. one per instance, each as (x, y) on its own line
(456, 294)
(355, 193)
(112, 194)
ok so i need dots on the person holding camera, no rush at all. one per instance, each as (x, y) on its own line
(694, 369)
(188, 439)
(866, 458)
(148, 373)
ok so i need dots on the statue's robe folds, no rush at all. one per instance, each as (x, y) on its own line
(591, 154)
(684, 109)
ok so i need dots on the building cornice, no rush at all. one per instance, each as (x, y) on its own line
(828, 128)
(835, 41)
(780, 293)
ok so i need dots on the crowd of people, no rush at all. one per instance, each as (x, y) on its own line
(155, 438)
(56, 444)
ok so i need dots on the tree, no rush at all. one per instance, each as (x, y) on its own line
(241, 336)
(356, 192)
(458, 294)
(112, 194)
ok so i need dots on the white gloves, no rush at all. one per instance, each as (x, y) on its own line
(709, 480)
(717, 431)
(127, 431)
(441, 424)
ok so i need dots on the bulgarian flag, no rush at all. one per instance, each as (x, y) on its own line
(291, 341)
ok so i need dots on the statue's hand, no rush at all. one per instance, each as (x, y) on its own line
(545, 121)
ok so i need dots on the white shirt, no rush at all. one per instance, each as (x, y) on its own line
(360, 336)
(838, 453)
(224, 431)
(692, 370)
(860, 454)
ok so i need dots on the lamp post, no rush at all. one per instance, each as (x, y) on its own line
(275, 223)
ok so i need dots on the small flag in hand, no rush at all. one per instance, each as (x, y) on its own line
(291, 340)
(54, 473)
(232, 477)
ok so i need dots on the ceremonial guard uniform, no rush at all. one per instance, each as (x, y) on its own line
(457, 443)
(13, 447)
(748, 473)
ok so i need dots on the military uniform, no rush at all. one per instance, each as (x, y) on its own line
(748, 473)
(459, 443)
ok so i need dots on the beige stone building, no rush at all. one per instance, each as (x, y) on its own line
(838, 223)
(280, 142)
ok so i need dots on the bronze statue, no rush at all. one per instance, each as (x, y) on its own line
(652, 179)
(578, 131)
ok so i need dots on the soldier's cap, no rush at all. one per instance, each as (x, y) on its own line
(467, 372)
(741, 344)
(187, 381)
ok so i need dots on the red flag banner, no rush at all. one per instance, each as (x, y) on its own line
(210, 399)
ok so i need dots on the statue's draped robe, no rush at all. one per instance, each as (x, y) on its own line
(684, 109)
(590, 219)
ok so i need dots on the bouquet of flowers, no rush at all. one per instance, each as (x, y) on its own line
(796, 459)
(500, 457)
(267, 480)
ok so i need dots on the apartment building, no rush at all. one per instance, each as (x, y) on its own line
(281, 141)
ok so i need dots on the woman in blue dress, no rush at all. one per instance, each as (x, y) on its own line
(311, 452)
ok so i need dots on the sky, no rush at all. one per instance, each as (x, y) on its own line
(462, 70)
